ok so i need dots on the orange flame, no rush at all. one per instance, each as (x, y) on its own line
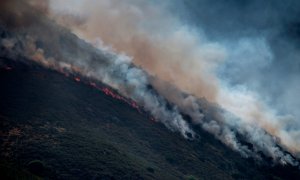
(77, 79)
(75, 72)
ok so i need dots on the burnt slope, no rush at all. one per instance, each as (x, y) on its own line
(55, 127)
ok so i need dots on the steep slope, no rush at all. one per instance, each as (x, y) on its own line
(56, 127)
(61, 127)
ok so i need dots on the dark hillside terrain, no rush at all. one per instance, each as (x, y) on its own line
(58, 127)
(55, 127)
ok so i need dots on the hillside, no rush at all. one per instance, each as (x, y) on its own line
(69, 130)
(59, 126)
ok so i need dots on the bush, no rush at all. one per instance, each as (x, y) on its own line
(150, 169)
(36, 167)
(191, 177)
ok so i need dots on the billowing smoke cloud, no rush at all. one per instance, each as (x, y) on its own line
(186, 68)
(154, 39)
(182, 56)
(113, 69)
(263, 41)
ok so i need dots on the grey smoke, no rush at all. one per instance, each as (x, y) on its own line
(265, 58)
(274, 22)
(104, 65)
(232, 70)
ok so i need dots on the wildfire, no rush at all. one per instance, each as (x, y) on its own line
(114, 95)
(107, 91)
(74, 72)
(110, 93)
(77, 79)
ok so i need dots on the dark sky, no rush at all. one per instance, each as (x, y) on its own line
(276, 22)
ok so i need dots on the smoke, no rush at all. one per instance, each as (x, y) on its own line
(182, 55)
(211, 77)
(16, 14)
(105, 65)
(263, 60)
(128, 27)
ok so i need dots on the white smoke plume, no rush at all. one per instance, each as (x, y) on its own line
(182, 56)
(119, 73)
(183, 65)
